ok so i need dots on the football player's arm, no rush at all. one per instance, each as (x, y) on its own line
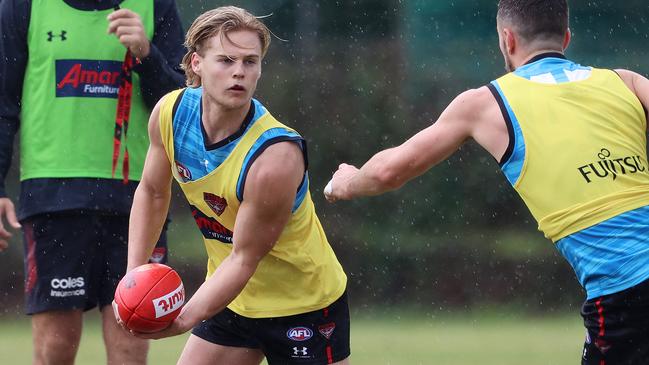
(638, 84)
(392, 168)
(14, 23)
(268, 197)
(152, 197)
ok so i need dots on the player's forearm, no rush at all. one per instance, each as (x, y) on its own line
(378, 175)
(219, 290)
(148, 215)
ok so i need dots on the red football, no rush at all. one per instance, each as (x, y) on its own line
(149, 298)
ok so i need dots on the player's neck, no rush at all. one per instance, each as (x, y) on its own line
(525, 58)
(221, 122)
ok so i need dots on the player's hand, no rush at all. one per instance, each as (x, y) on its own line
(177, 327)
(337, 188)
(117, 317)
(8, 213)
(128, 28)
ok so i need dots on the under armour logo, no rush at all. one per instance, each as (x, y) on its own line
(297, 351)
(51, 35)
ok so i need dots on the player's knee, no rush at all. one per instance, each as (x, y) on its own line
(55, 348)
(126, 350)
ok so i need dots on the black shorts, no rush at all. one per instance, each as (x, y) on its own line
(617, 328)
(318, 337)
(74, 259)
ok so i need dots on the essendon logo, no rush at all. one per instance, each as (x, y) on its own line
(210, 227)
(215, 202)
(87, 78)
(327, 329)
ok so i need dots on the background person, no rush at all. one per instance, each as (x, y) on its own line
(60, 77)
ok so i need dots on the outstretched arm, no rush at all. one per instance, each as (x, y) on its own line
(152, 197)
(268, 197)
(473, 114)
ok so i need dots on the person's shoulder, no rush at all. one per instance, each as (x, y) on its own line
(278, 163)
(631, 79)
(17, 10)
(175, 92)
(477, 93)
(624, 73)
(163, 6)
(472, 106)
(168, 100)
(19, 4)
(475, 98)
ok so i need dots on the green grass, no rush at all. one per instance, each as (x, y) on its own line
(497, 339)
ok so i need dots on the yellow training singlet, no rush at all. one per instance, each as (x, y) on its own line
(301, 272)
(577, 153)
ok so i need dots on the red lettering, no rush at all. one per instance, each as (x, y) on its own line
(72, 77)
(202, 222)
(76, 75)
(104, 77)
(210, 224)
(164, 305)
(89, 76)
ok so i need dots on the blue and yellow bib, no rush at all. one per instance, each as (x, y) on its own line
(301, 273)
(577, 157)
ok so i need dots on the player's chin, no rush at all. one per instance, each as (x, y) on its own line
(236, 100)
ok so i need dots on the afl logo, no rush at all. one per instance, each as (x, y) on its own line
(299, 333)
(183, 172)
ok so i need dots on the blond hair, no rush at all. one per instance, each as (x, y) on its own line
(219, 21)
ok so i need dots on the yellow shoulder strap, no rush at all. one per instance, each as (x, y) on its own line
(166, 119)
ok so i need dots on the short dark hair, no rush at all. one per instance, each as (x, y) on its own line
(536, 19)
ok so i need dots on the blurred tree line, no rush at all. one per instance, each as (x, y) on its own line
(357, 76)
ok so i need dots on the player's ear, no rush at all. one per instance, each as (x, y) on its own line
(510, 40)
(196, 63)
(566, 39)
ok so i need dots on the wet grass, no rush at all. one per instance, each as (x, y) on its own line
(459, 339)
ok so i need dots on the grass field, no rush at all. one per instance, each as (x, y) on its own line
(389, 340)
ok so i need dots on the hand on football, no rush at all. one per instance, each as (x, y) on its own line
(177, 327)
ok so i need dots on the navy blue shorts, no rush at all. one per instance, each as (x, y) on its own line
(618, 328)
(74, 259)
(318, 337)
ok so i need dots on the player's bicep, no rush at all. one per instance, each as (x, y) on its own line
(436, 142)
(268, 197)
